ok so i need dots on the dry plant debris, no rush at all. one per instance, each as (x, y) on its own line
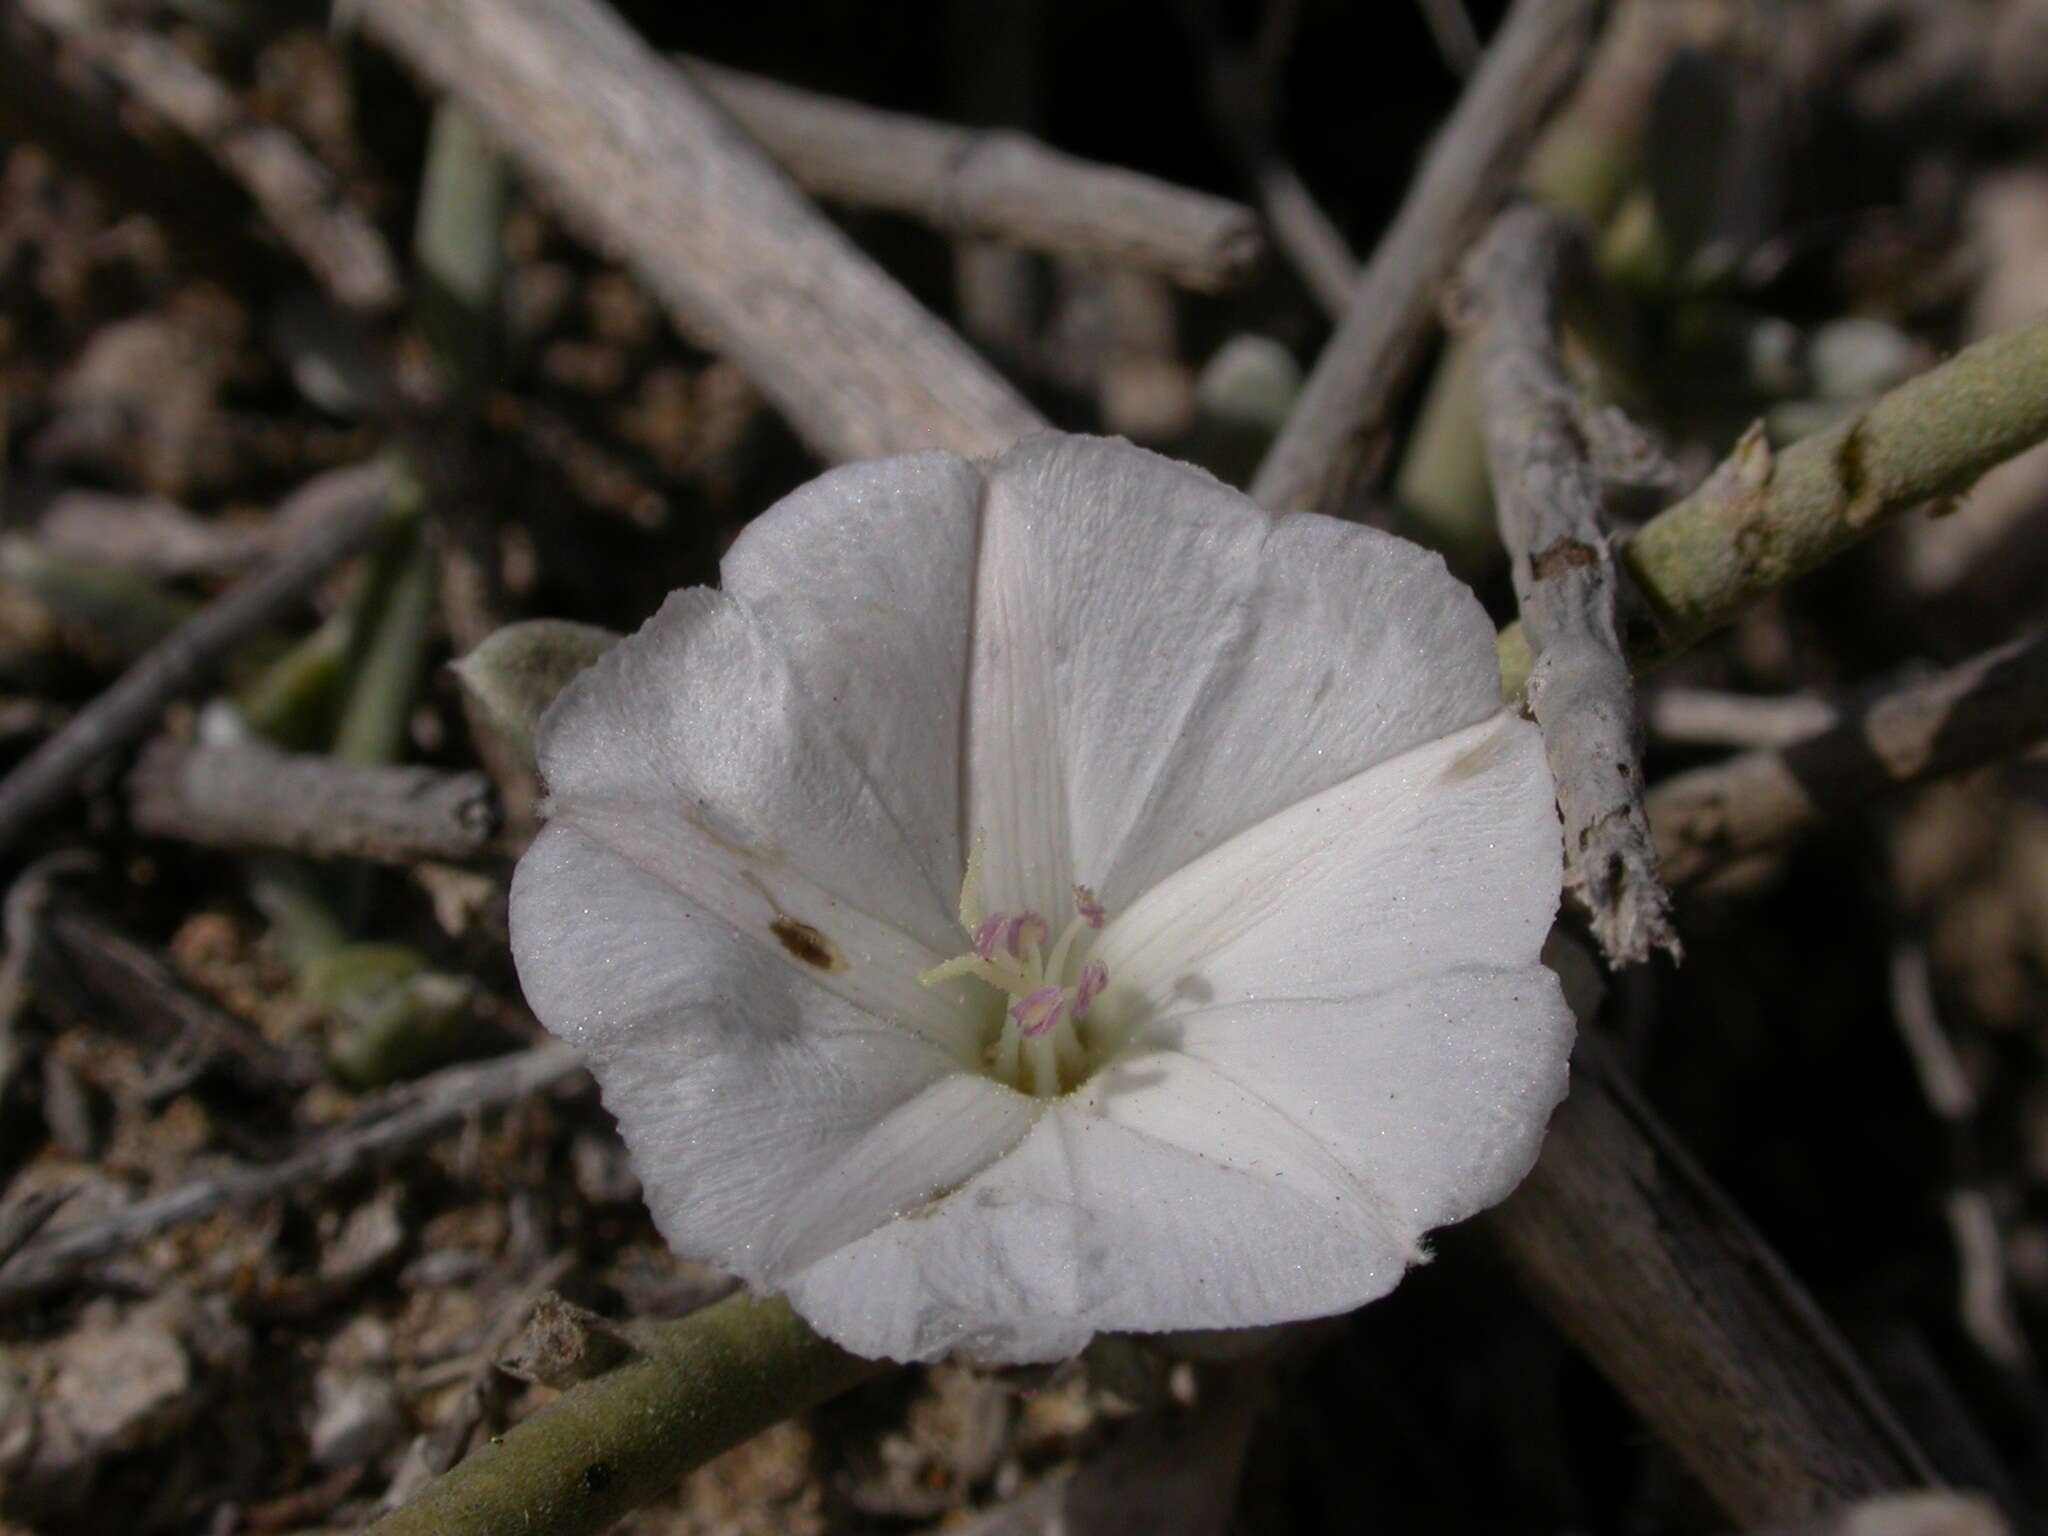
(1788, 1250)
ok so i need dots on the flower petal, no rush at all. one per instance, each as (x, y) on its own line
(865, 580)
(812, 721)
(1159, 664)
(1434, 1096)
(1444, 857)
(1159, 1197)
(770, 1120)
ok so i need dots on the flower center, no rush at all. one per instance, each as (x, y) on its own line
(1044, 1046)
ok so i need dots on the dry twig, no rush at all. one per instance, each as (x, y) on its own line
(252, 796)
(1979, 712)
(401, 1119)
(998, 184)
(1532, 61)
(1937, 1512)
(633, 153)
(1647, 1266)
(342, 512)
(1706, 717)
(1547, 492)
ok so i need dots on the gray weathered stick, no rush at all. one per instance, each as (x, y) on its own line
(1764, 518)
(1986, 709)
(1469, 168)
(650, 171)
(1547, 493)
(251, 796)
(1936, 1512)
(343, 510)
(403, 1118)
(1707, 717)
(302, 201)
(997, 184)
(1645, 1264)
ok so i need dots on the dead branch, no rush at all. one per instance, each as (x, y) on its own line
(1636, 1255)
(998, 184)
(651, 171)
(251, 796)
(1986, 709)
(1706, 717)
(300, 198)
(1531, 63)
(343, 511)
(1937, 1512)
(1547, 492)
(398, 1121)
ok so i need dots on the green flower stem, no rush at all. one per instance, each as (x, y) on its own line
(292, 702)
(390, 1014)
(697, 1387)
(458, 254)
(1761, 519)
(394, 613)
(303, 924)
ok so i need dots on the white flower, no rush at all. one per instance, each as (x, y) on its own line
(1052, 897)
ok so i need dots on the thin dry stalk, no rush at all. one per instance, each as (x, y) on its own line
(997, 184)
(650, 170)
(341, 511)
(402, 1119)
(1547, 492)
(1469, 168)
(1646, 1265)
(1986, 709)
(248, 795)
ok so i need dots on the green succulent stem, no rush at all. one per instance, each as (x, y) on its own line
(695, 1388)
(1763, 519)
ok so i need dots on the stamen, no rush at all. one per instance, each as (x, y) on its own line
(1041, 1010)
(988, 935)
(969, 965)
(1037, 1049)
(1088, 907)
(1094, 977)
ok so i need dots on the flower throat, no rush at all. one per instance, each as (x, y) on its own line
(1041, 1048)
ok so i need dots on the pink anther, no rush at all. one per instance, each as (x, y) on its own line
(1089, 908)
(994, 933)
(1094, 977)
(1039, 1010)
